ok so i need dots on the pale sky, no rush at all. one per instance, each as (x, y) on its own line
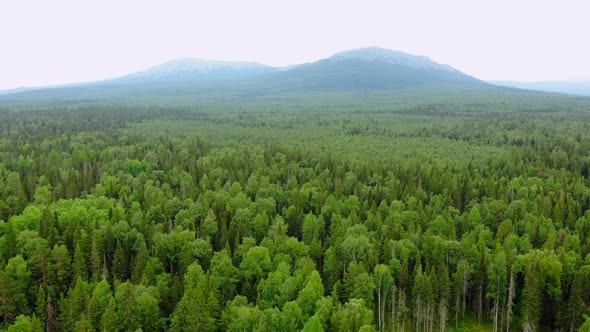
(59, 41)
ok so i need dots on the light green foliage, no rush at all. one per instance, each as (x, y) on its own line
(99, 302)
(274, 290)
(109, 320)
(358, 284)
(192, 312)
(14, 285)
(351, 316)
(83, 325)
(357, 245)
(256, 263)
(311, 294)
(341, 211)
(239, 316)
(271, 320)
(293, 316)
(148, 310)
(224, 274)
(313, 325)
(26, 324)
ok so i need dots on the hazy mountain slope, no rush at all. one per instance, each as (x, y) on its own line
(349, 74)
(195, 70)
(368, 69)
(391, 57)
(570, 87)
(360, 69)
(15, 90)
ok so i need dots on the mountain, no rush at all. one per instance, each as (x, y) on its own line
(361, 69)
(174, 78)
(368, 69)
(568, 87)
(15, 90)
(391, 57)
(195, 70)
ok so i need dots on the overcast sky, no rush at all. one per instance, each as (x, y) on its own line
(52, 42)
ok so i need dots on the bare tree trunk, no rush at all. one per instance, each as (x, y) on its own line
(510, 301)
(417, 313)
(426, 314)
(502, 318)
(442, 311)
(393, 308)
(383, 311)
(480, 302)
(527, 327)
(432, 315)
(402, 308)
(464, 291)
(496, 309)
(573, 319)
(51, 321)
(457, 308)
(429, 317)
(379, 305)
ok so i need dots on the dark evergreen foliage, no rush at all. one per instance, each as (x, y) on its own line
(335, 212)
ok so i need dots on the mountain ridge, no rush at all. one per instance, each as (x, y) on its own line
(370, 68)
(391, 56)
(572, 87)
(198, 69)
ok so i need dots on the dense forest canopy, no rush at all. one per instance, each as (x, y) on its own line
(329, 212)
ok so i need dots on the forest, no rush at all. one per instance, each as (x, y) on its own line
(329, 212)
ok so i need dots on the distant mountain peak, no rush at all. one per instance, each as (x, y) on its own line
(197, 64)
(391, 57)
(367, 69)
(199, 69)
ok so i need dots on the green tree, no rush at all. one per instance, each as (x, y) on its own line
(127, 311)
(351, 316)
(62, 267)
(311, 294)
(271, 320)
(255, 265)
(148, 310)
(358, 284)
(109, 320)
(384, 287)
(83, 325)
(120, 265)
(192, 313)
(10, 245)
(293, 317)
(313, 325)
(498, 284)
(98, 303)
(14, 286)
(224, 274)
(26, 324)
(79, 267)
